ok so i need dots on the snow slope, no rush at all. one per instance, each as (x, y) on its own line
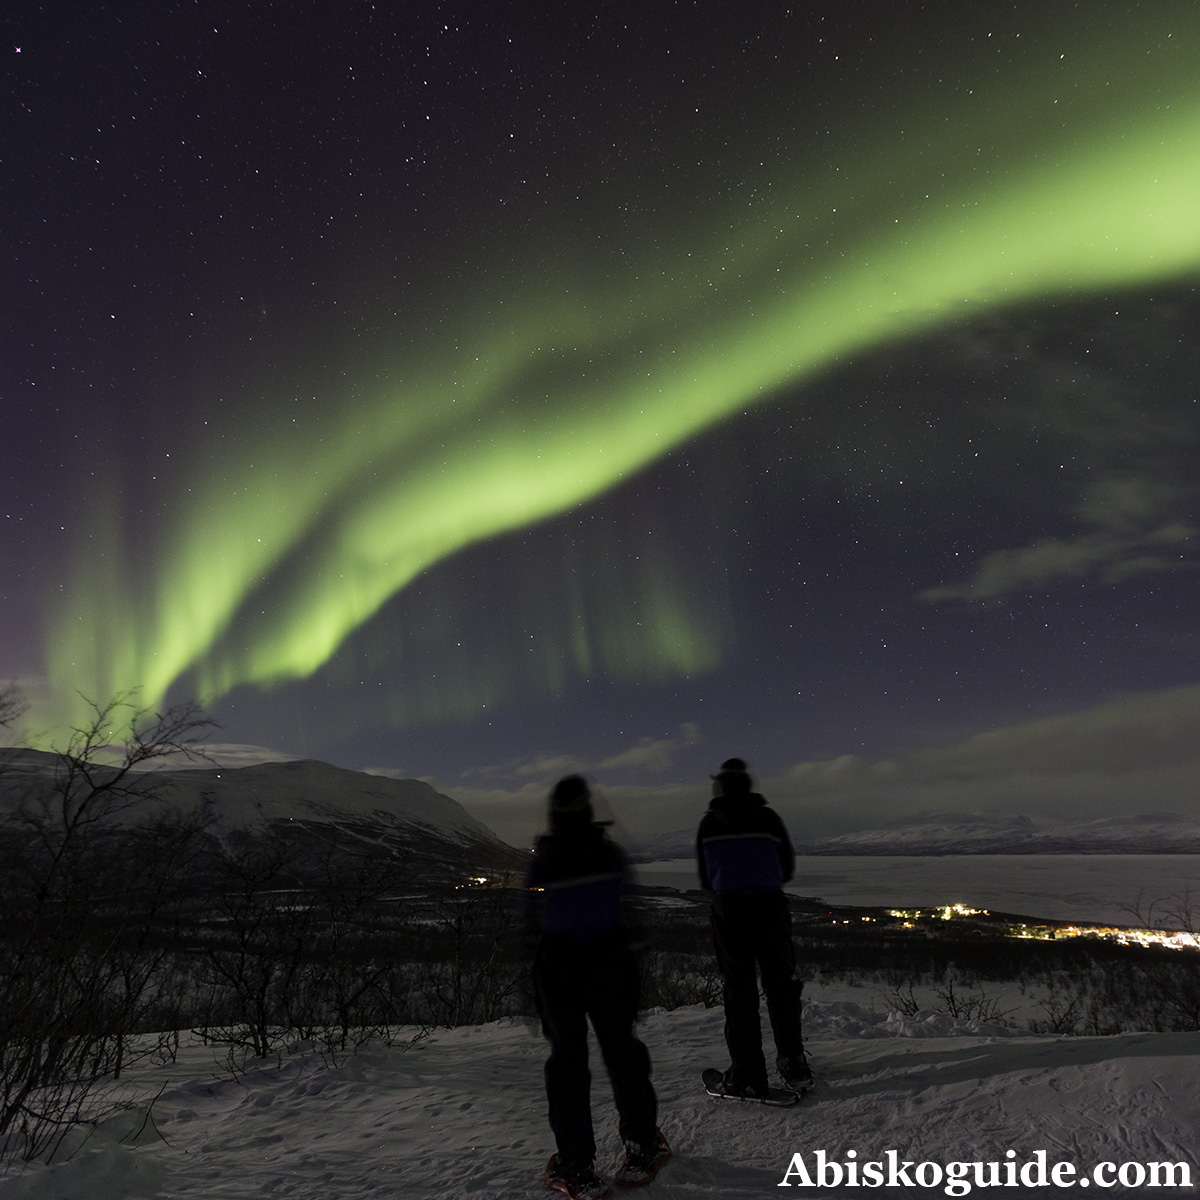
(307, 788)
(303, 799)
(278, 791)
(461, 1114)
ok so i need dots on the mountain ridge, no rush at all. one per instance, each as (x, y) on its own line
(311, 806)
(938, 833)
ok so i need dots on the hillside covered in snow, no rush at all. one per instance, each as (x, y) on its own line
(460, 1115)
(310, 807)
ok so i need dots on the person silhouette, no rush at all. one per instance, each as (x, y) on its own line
(745, 856)
(585, 968)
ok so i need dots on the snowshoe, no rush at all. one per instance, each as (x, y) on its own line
(715, 1085)
(641, 1164)
(797, 1075)
(579, 1183)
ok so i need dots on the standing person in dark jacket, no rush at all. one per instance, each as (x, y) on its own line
(585, 967)
(745, 857)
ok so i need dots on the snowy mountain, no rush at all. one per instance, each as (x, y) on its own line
(679, 844)
(310, 807)
(936, 833)
(965, 833)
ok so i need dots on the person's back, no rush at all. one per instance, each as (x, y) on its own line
(581, 875)
(585, 970)
(744, 857)
(742, 845)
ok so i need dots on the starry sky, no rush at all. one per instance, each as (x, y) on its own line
(486, 391)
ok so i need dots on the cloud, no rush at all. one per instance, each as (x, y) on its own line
(1133, 532)
(646, 754)
(545, 768)
(848, 770)
(1131, 754)
(24, 685)
(550, 765)
(510, 798)
(653, 755)
(639, 813)
(24, 694)
(1134, 732)
(1119, 440)
(233, 754)
(515, 815)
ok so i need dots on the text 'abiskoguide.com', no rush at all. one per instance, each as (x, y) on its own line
(960, 1178)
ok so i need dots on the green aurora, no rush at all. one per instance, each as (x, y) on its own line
(1069, 178)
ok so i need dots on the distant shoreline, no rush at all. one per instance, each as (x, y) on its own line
(810, 852)
(1093, 888)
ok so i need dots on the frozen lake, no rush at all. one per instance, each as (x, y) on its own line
(1091, 888)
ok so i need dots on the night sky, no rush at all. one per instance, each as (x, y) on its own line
(485, 391)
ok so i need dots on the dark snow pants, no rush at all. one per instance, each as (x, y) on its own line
(752, 932)
(597, 980)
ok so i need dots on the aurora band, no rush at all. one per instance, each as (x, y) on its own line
(271, 560)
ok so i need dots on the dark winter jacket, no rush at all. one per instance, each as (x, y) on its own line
(579, 875)
(742, 846)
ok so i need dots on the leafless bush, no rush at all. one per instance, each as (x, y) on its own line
(971, 1006)
(86, 865)
(901, 999)
(1175, 982)
(297, 954)
(1064, 1008)
(963, 1003)
(475, 974)
(671, 980)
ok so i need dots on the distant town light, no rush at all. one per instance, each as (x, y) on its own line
(1173, 939)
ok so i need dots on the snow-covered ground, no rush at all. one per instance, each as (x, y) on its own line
(460, 1115)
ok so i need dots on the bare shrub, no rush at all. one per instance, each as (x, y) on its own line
(1173, 981)
(87, 866)
(973, 1006)
(901, 999)
(672, 980)
(960, 1002)
(475, 971)
(298, 953)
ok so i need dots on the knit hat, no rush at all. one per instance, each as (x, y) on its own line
(733, 777)
(570, 803)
